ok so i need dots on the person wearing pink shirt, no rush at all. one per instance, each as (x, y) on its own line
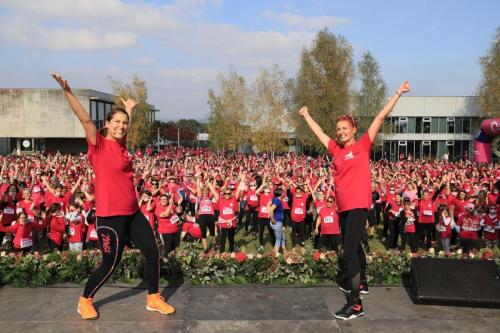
(351, 161)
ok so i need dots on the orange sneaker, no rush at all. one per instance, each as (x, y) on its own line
(155, 302)
(86, 309)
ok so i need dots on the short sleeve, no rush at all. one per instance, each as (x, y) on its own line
(365, 141)
(332, 145)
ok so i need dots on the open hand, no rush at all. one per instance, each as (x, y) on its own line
(62, 82)
(129, 104)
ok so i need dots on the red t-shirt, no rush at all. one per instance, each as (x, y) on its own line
(299, 209)
(469, 225)
(114, 184)
(329, 221)
(206, 206)
(228, 211)
(167, 225)
(352, 174)
(76, 232)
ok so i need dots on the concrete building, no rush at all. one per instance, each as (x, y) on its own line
(428, 127)
(41, 119)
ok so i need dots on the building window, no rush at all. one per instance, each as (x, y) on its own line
(107, 110)
(426, 149)
(418, 125)
(450, 125)
(93, 110)
(466, 125)
(402, 125)
(427, 124)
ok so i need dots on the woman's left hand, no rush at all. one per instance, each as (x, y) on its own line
(403, 88)
(129, 104)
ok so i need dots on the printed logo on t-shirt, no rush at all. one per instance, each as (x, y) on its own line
(349, 156)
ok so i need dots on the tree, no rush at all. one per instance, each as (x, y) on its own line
(267, 114)
(139, 134)
(325, 75)
(372, 95)
(228, 110)
(489, 88)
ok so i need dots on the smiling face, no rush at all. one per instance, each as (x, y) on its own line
(346, 132)
(117, 126)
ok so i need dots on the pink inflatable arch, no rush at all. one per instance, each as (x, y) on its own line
(489, 129)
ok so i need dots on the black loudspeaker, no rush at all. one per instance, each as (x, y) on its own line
(459, 282)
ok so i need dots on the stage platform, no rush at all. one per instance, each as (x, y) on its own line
(258, 309)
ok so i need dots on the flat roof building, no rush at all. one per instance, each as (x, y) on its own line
(41, 119)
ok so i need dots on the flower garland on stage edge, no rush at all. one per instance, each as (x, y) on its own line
(189, 265)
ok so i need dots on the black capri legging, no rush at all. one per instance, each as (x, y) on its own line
(112, 231)
(352, 223)
(206, 221)
(170, 242)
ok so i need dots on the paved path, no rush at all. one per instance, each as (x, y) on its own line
(259, 309)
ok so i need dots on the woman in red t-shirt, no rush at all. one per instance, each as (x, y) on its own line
(168, 222)
(117, 211)
(328, 221)
(351, 162)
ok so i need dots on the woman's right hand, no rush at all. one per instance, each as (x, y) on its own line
(304, 111)
(62, 82)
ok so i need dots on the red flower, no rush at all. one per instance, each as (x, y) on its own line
(316, 256)
(240, 257)
(487, 255)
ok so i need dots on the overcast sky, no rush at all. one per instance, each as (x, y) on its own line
(178, 47)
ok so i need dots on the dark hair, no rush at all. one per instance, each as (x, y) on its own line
(278, 192)
(110, 115)
(54, 207)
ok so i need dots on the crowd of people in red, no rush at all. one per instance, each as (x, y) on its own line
(203, 195)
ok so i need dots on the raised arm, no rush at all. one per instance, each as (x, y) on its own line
(313, 125)
(78, 110)
(379, 119)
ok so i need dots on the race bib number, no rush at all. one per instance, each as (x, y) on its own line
(253, 198)
(441, 228)
(30, 219)
(206, 209)
(227, 211)
(427, 212)
(9, 210)
(328, 219)
(490, 229)
(264, 209)
(298, 211)
(409, 222)
(26, 242)
(72, 231)
(93, 234)
(174, 219)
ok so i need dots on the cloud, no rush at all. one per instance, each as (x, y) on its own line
(197, 75)
(298, 21)
(66, 39)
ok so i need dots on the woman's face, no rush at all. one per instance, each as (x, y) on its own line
(163, 201)
(117, 126)
(345, 131)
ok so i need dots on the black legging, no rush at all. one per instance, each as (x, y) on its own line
(426, 231)
(251, 218)
(112, 231)
(395, 230)
(229, 234)
(206, 221)
(298, 233)
(265, 223)
(330, 242)
(170, 242)
(352, 223)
